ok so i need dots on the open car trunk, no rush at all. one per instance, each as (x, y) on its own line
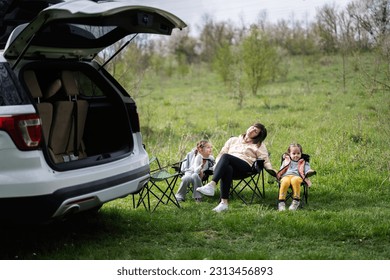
(92, 125)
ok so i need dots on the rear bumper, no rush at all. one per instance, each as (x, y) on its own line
(76, 198)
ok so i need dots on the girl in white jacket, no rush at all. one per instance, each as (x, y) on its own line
(197, 161)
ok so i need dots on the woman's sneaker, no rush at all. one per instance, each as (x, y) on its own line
(294, 205)
(206, 190)
(281, 206)
(221, 207)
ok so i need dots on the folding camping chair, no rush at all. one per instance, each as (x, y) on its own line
(250, 181)
(304, 186)
(160, 187)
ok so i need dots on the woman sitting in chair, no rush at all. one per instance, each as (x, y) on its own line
(235, 160)
(294, 170)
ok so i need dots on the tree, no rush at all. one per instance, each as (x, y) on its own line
(327, 28)
(183, 47)
(297, 40)
(346, 41)
(260, 59)
(224, 62)
(213, 36)
(374, 17)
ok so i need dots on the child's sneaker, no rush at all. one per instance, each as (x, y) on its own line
(294, 205)
(206, 190)
(281, 206)
(221, 207)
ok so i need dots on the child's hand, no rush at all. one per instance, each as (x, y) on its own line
(310, 173)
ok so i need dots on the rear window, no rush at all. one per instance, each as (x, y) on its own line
(87, 87)
(11, 93)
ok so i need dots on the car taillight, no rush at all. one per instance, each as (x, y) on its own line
(25, 130)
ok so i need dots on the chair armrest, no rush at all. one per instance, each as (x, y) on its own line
(177, 165)
(271, 172)
(258, 165)
(208, 172)
(310, 173)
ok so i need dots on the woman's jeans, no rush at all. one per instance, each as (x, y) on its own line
(228, 168)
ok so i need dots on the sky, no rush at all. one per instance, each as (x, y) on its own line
(242, 11)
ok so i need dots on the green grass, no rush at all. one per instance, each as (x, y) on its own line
(346, 132)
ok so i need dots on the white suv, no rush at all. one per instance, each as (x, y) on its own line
(69, 133)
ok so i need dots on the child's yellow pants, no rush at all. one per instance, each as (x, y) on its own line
(293, 181)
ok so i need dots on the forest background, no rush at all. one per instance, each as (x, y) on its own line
(173, 78)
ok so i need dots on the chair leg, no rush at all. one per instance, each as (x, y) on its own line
(256, 191)
(305, 193)
(167, 194)
(144, 194)
(159, 199)
(247, 183)
(161, 185)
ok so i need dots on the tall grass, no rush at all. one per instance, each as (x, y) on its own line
(346, 132)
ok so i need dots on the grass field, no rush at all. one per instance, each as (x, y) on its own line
(346, 131)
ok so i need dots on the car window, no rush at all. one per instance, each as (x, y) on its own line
(94, 32)
(11, 93)
(88, 87)
(71, 35)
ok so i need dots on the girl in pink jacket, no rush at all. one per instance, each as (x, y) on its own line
(294, 170)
